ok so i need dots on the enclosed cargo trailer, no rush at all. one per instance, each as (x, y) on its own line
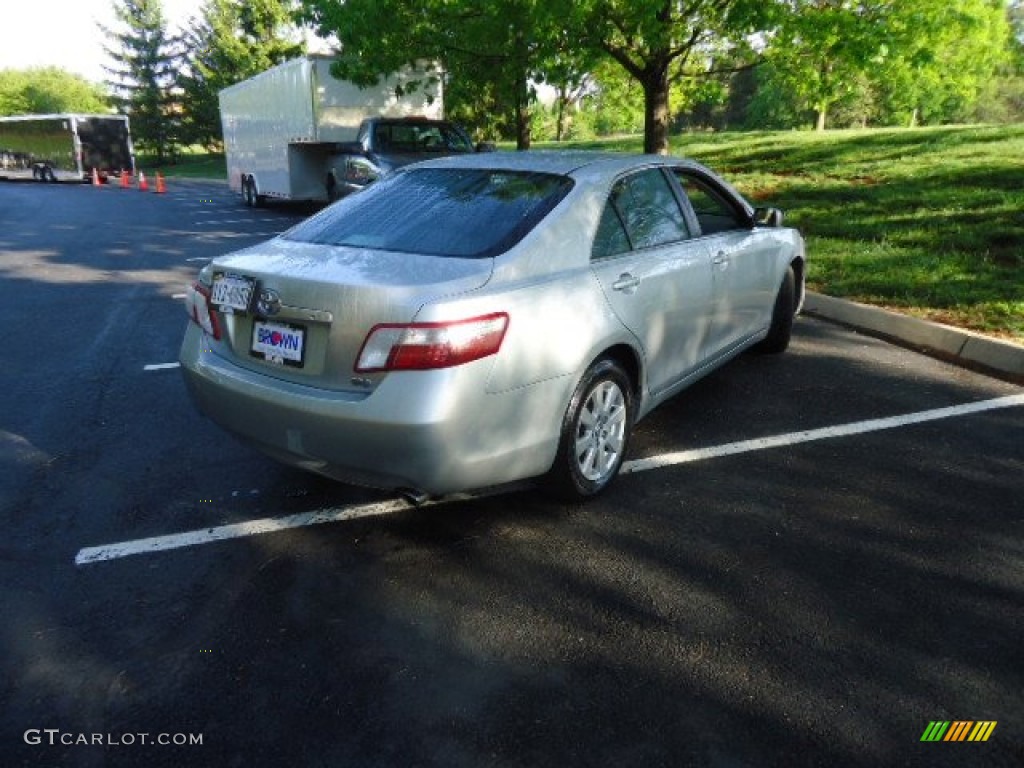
(65, 147)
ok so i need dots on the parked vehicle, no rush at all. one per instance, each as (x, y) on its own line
(65, 147)
(295, 132)
(482, 319)
(385, 144)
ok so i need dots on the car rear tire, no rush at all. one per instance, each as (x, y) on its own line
(781, 329)
(595, 433)
(333, 192)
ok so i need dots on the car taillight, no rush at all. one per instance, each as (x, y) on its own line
(423, 346)
(197, 304)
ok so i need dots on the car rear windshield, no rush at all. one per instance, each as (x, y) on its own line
(413, 136)
(461, 213)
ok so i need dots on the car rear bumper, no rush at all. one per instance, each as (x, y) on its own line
(433, 432)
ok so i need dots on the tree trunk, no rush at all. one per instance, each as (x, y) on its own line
(560, 120)
(522, 125)
(523, 103)
(655, 83)
(822, 114)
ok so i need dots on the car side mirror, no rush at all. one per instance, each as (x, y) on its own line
(486, 146)
(768, 217)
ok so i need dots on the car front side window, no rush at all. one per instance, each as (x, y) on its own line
(713, 210)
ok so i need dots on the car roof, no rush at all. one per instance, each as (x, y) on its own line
(577, 163)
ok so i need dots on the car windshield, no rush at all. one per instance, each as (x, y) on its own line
(462, 213)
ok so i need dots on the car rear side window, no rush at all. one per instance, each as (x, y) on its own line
(641, 212)
(462, 213)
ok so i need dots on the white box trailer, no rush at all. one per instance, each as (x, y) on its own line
(281, 126)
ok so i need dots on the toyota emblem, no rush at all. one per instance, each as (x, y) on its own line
(269, 302)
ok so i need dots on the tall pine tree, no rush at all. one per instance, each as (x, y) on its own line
(231, 41)
(145, 60)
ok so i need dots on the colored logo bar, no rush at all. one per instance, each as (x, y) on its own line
(958, 730)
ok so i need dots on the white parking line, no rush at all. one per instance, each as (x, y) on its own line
(235, 531)
(223, 222)
(843, 430)
(161, 366)
(268, 525)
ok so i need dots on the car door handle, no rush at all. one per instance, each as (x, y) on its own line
(626, 282)
(720, 259)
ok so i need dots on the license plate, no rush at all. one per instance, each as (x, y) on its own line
(232, 293)
(279, 343)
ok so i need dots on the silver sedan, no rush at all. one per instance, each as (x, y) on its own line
(484, 319)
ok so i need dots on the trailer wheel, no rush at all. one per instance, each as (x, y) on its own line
(248, 193)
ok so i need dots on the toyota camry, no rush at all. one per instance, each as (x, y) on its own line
(484, 319)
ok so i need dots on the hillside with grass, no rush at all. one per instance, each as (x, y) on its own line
(928, 221)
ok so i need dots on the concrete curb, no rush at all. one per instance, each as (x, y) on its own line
(996, 357)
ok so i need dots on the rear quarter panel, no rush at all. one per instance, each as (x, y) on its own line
(559, 319)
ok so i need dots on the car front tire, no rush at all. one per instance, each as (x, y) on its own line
(595, 433)
(781, 329)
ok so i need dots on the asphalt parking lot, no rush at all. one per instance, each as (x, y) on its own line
(810, 559)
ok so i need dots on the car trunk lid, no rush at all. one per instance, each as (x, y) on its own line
(312, 306)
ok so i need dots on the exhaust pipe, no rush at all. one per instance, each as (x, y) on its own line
(415, 497)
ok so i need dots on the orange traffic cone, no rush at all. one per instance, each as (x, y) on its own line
(126, 179)
(143, 184)
(161, 187)
(95, 178)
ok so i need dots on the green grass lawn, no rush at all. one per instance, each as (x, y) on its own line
(189, 164)
(927, 221)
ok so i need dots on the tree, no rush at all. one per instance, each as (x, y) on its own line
(666, 42)
(480, 104)
(231, 41)
(48, 90)
(146, 59)
(774, 105)
(875, 59)
(1010, 83)
(822, 48)
(568, 95)
(941, 60)
(502, 46)
(615, 102)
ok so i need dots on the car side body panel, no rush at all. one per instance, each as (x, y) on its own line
(664, 296)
